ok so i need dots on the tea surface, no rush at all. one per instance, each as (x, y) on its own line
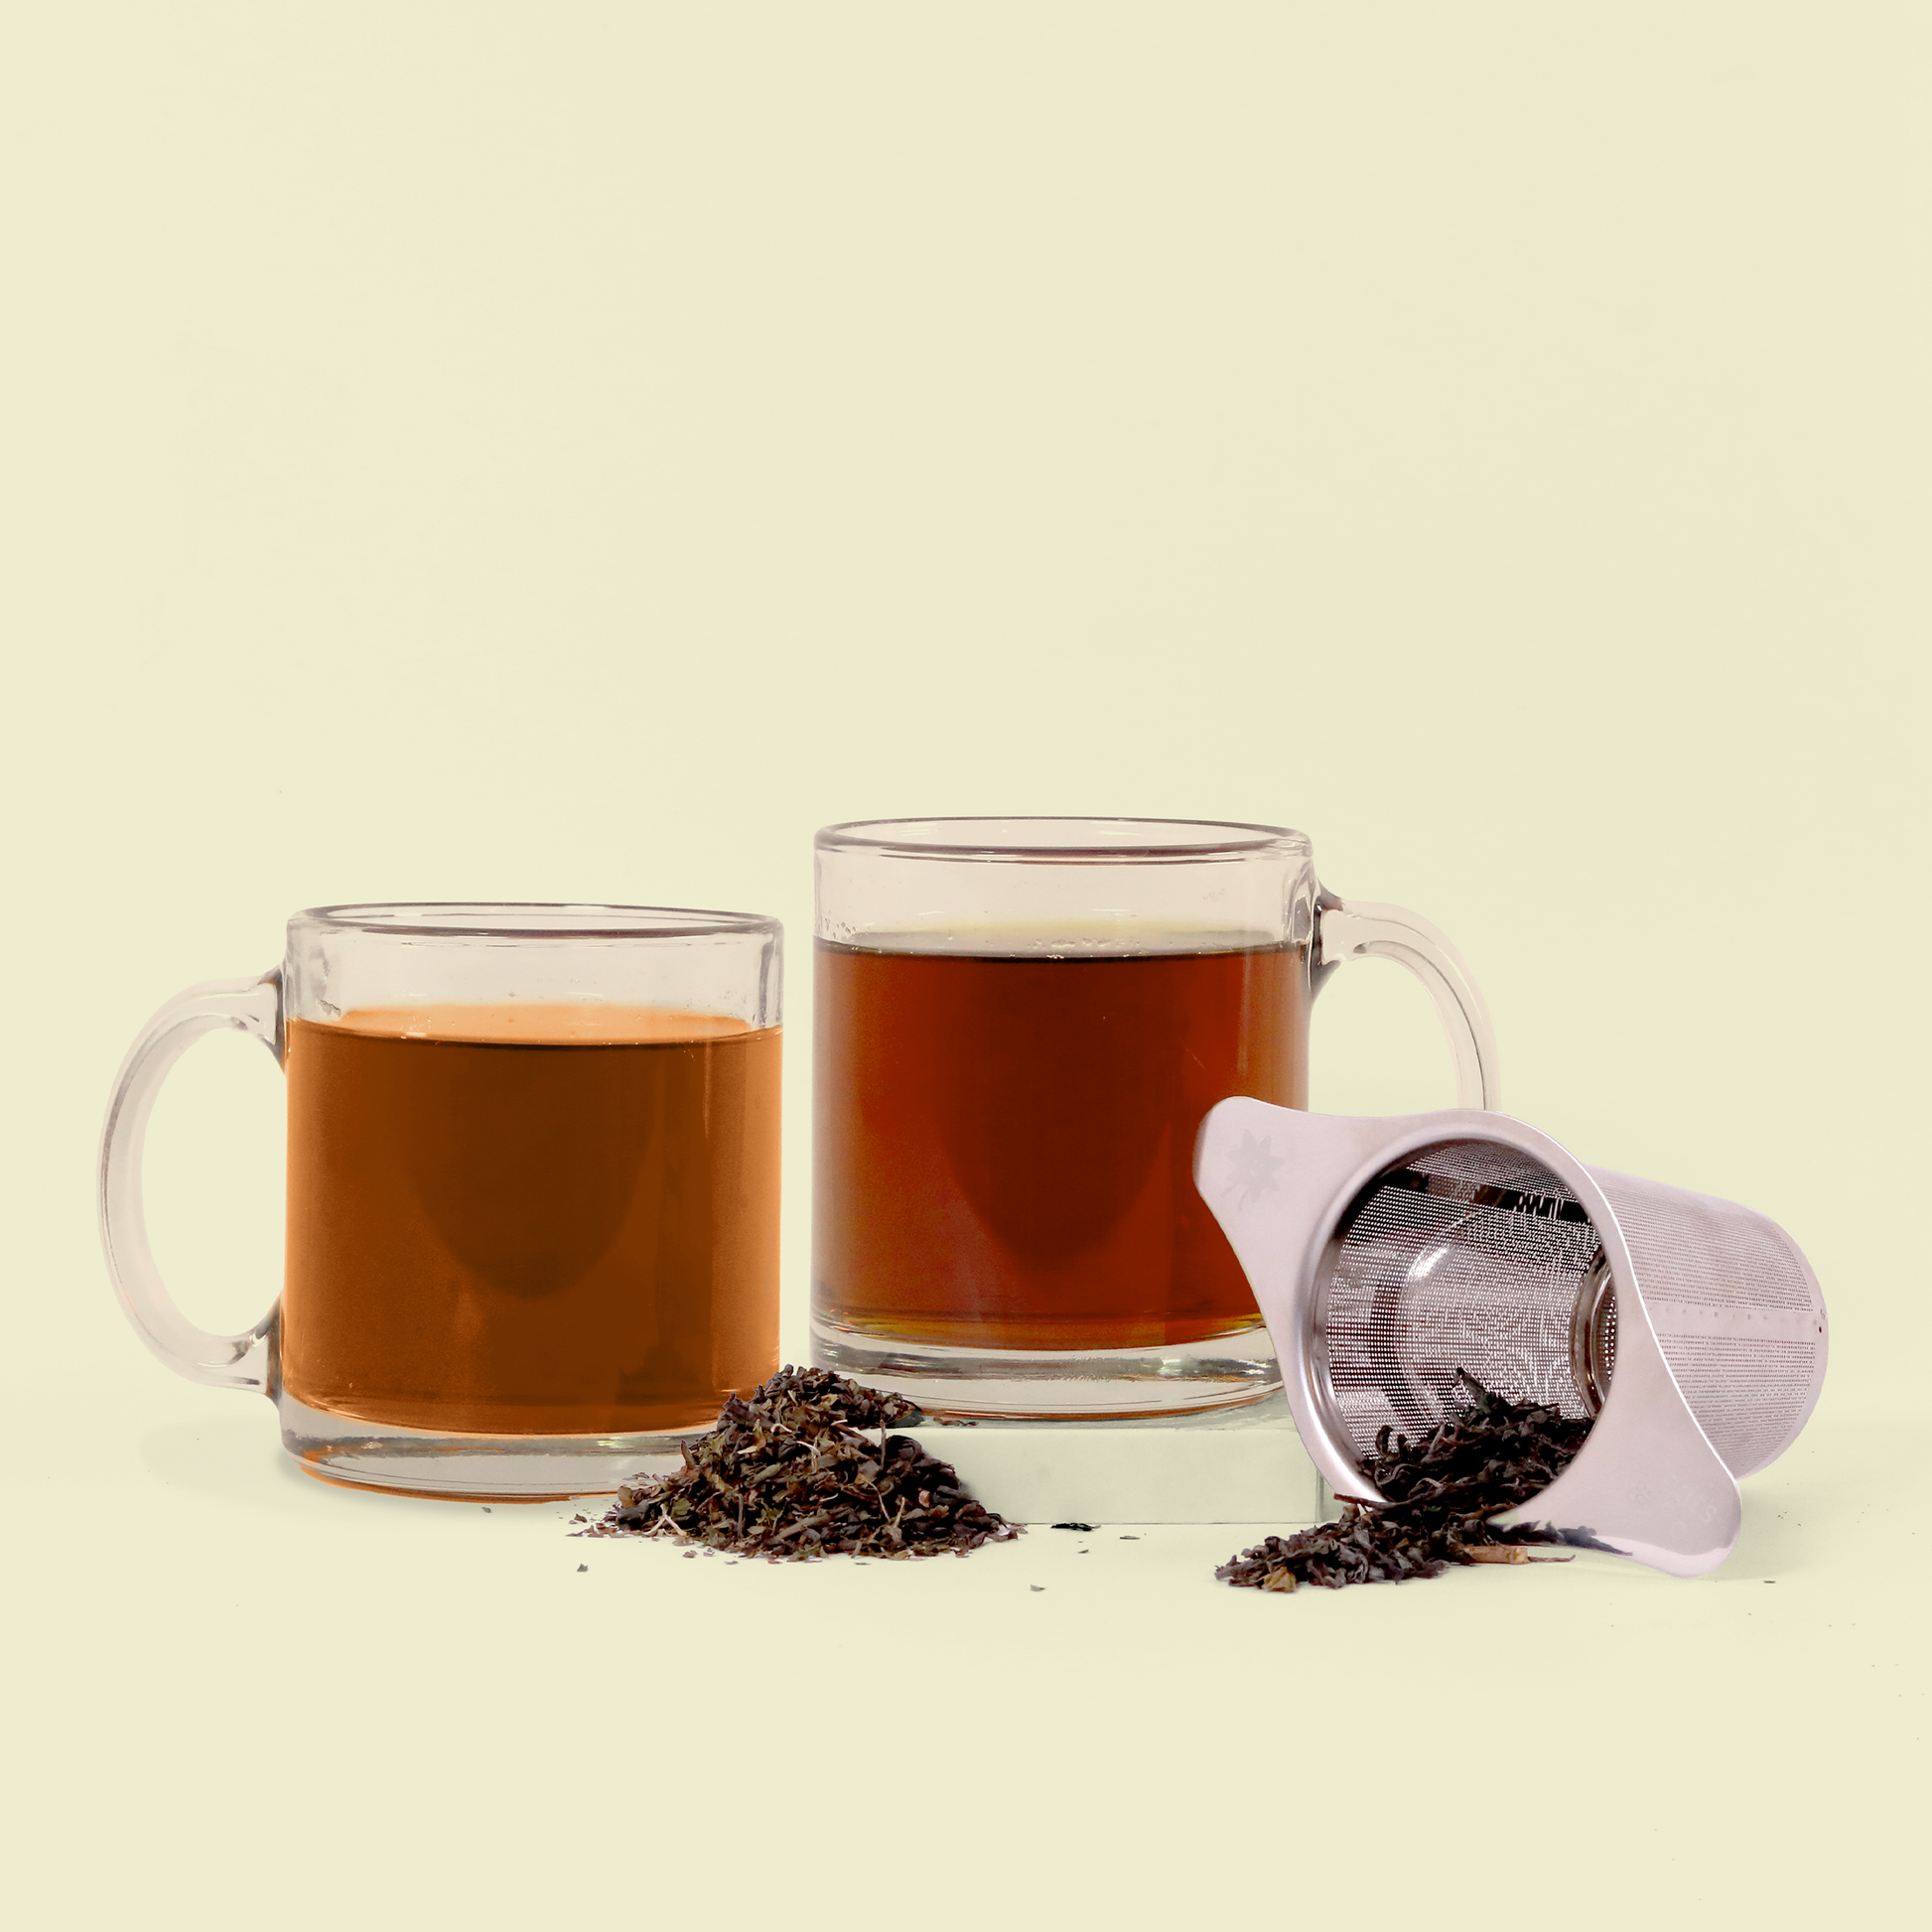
(530, 1220)
(1005, 1142)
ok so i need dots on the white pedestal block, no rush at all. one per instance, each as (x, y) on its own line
(1240, 1466)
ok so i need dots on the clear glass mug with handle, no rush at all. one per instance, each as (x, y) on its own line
(534, 1190)
(1018, 1027)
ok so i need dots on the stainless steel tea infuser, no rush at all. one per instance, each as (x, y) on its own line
(1390, 1257)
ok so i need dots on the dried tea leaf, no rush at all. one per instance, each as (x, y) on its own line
(1440, 1492)
(805, 1467)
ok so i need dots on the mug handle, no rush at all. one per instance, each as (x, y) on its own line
(254, 1006)
(1360, 930)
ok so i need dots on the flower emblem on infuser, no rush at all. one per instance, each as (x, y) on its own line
(1252, 1169)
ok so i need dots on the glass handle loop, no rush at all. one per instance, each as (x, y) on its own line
(1360, 930)
(225, 1361)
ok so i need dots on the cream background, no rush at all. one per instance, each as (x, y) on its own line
(573, 452)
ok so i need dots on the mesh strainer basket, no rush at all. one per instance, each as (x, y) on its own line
(1389, 1256)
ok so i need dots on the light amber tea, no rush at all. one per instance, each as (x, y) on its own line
(1005, 1142)
(530, 1218)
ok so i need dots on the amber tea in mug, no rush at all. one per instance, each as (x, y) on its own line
(1020, 1026)
(1047, 1104)
(544, 1220)
(534, 1190)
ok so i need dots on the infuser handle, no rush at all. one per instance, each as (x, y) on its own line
(1361, 930)
(254, 1006)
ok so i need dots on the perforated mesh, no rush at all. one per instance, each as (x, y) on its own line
(1483, 1163)
(1691, 1248)
(1471, 1256)
(1750, 1397)
(1735, 1311)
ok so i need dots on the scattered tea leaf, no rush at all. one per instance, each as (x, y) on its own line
(1439, 1495)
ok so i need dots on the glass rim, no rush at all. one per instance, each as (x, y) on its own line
(530, 919)
(1108, 841)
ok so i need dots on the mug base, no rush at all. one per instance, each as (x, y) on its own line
(1031, 1385)
(350, 1453)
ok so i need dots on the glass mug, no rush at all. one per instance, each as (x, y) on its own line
(1019, 1024)
(533, 1190)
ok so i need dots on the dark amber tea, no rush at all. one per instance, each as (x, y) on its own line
(522, 1220)
(1005, 1140)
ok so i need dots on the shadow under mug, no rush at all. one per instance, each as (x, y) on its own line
(1018, 1027)
(533, 1190)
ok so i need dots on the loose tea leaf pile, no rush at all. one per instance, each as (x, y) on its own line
(1441, 1491)
(792, 1473)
